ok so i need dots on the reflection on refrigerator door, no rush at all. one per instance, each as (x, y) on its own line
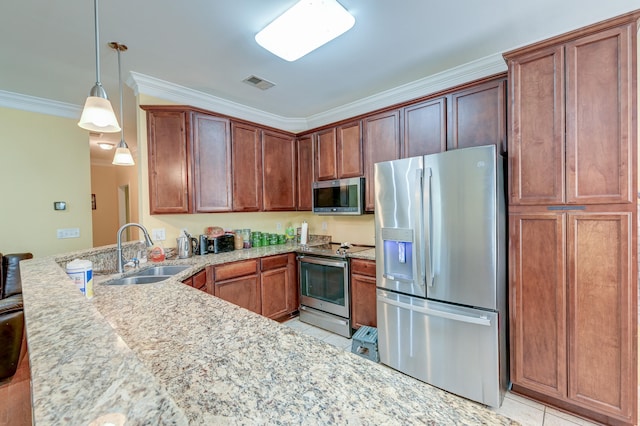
(451, 347)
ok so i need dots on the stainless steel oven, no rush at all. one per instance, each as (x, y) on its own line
(324, 287)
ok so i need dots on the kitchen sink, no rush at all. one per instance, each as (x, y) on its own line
(150, 275)
(161, 270)
(148, 279)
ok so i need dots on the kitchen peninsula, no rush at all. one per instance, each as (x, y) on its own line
(166, 353)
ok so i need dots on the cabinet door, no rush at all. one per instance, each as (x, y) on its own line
(243, 291)
(381, 143)
(305, 173)
(275, 285)
(326, 155)
(536, 143)
(211, 147)
(247, 167)
(168, 159)
(600, 117)
(538, 302)
(478, 116)
(279, 171)
(349, 150)
(425, 128)
(363, 301)
(293, 290)
(602, 318)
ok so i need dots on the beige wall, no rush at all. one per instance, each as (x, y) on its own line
(105, 183)
(358, 230)
(43, 159)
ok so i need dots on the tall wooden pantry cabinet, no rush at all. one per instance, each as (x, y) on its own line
(573, 220)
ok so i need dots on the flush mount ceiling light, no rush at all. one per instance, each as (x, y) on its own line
(306, 26)
(106, 146)
(122, 157)
(97, 115)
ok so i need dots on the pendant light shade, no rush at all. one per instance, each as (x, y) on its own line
(123, 156)
(98, 115)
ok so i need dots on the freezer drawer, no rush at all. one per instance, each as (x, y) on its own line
(451, 347)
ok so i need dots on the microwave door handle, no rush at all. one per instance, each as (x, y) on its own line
(418, 227)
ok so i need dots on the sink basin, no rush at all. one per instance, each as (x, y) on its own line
(161, 270)
(148, 279)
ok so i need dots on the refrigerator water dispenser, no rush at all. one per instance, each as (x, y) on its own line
(398, 257)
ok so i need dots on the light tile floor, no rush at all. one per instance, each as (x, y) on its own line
(522, 410)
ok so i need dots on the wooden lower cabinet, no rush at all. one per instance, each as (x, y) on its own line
(267, 286)
(363, 293)
(200, 281)
(239, 283)
(278, 286)
(573, 310)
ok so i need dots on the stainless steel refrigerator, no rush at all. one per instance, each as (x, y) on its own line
(440, 266)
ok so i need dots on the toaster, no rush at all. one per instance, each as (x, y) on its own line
(220, 244)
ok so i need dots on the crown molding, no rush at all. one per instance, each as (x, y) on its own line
(141, 83)
(484, 67)
(155, 87)
(41, 105)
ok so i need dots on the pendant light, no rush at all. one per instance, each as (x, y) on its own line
(122, 156)
(97, 115)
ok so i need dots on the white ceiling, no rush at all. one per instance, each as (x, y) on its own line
(47, 47)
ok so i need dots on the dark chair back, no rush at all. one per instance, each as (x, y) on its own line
(11, 282)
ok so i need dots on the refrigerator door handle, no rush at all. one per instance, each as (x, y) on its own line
(427, 233)
(481, 320)
(418, 226)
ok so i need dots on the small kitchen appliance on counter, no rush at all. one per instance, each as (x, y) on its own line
(220, 244)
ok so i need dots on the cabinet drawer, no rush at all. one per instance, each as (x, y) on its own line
(363, 267)
(273, 262)
(236, 269)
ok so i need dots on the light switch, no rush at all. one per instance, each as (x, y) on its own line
(59, 205)
(68, 233)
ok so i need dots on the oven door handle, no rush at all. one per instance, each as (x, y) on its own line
(338, 263)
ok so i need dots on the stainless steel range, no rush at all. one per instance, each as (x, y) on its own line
(324, 286)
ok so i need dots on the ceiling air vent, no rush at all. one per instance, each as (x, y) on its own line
(258, 82)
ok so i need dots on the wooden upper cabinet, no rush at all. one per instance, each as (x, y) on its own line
(349, 150)
(325, 155)
(587, 83)
(278, 171)
(168, 161)
(381, 143)
(600, 116)
(477, 116)
(211, 149)
(338, 152)
(305, 172)
(425, 128)
(536, 146)
(246, 167)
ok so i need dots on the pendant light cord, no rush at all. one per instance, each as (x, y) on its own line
(120, 88)
(95, 16)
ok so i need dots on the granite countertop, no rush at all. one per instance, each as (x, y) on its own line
(166, 353)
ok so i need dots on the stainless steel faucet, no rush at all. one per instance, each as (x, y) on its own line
(121, 260)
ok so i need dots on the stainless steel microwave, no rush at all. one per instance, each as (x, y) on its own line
(339, 197)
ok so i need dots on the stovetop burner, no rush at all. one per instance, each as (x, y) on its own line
(333, 249)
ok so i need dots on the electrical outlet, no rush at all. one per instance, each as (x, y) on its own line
(279, 227)
(324, 226)
(68, 233)
(158, 234)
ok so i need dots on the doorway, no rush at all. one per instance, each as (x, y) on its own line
(124, 211)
